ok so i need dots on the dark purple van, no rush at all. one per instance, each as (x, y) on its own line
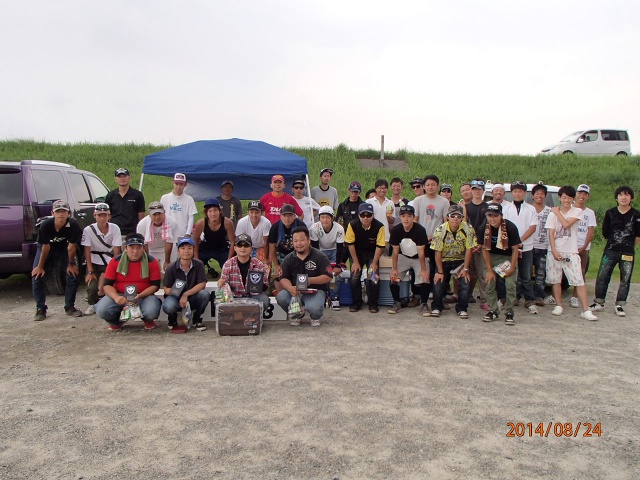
(27, 190)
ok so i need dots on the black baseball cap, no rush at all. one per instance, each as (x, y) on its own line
(287, 208)
(244, 238)
(407, 209)
(122, 171)
(255, 205)
(494, 209)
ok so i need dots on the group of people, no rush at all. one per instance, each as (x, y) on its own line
(444, 249)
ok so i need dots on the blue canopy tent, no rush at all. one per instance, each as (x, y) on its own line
(207, 163)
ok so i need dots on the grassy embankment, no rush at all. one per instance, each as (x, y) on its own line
(603, 174)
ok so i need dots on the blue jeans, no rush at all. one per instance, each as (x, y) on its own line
(109, 310)
(198, 302)
(524, 286)
(439, 289)
(53, 259)
(540, 264)
(609, 260)
(221, 255)
(313, 302)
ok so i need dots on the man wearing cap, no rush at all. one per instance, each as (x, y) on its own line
(257, 227)
(446, 190)
(281, 238)
(231, 206)
(235, 272)
(525, 217)
(408, 240)
(501, 242)
(101, 241)
(57, 240)
(133, 268)
(348, 210)
(328, 237)
(365, 239)
(159, 232)
(126, 203)
(453, 243)
(273, 201)
(325, 194)
(476, 211)
(180, 207)
(586, 228)
(184, 282)
(311, 262)
(417, 187)
(308, 205)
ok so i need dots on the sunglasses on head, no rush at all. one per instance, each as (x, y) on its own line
(479, 183)
(366, 215)
(518, 183)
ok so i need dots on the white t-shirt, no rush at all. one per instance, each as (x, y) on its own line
(380, 213)
(523, 220)
(431, 212)
(304, 203)
(257, 234)
(566, 238)
(156, 245)
(113, 237)
(180, 209)
(541, 235)
(588, 219)
(327, 240)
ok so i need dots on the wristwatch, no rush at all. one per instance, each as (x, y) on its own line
(466, 269)
(90, 272)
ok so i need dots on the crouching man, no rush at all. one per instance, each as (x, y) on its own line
(310, 261)
(236, 272)
(184, 282)
(133, 268)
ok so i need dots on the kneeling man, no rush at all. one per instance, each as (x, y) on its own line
(184, 282)
(310, 261)
(133, 268)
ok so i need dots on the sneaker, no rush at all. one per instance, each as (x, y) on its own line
(414, 302)
(532, 309)
(574, 302)
(40, 315)
(557, 310)
(294, 322)
(435, 312)
(620, 311)
(200, 326)
(539, 302)
(588, 315)
(508, 319)
(596, 307)
(490, 316)
(374, 309)
(315, 322)
(485, 306)
(355, 308)
(91, 310)
(395, 308)
(463, 314)
(550, 300)
(335, 305)
(74, 312)
(115, 327)
(150, 325)
(424, 310)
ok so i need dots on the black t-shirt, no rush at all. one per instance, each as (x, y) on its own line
(512, 235)
(621, 230)
(348, 211)
(59, 240)
(408, 241)
(476, 217)
(124, 210)
(282, 237)
(314, 265)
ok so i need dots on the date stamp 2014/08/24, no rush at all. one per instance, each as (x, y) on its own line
(557, 429)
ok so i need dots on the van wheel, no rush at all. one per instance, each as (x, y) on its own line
(56, 279)
(621, 154)
(567, 152)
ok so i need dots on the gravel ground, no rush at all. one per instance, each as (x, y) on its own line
(363, 396)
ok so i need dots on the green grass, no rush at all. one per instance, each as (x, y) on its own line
(603, 174)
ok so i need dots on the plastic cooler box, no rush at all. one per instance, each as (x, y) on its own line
(239, 317)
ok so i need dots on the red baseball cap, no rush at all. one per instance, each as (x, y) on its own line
(277, 178)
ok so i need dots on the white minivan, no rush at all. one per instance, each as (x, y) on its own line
(592, 142)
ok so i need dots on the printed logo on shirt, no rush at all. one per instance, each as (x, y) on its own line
(175, 207)
(310, 265)
(431, 211)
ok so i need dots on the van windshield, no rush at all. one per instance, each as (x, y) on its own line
(572, 137)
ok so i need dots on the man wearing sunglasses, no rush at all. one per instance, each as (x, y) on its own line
(307, 204)
(365, 239)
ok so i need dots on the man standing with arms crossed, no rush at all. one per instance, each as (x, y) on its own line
(126, 203)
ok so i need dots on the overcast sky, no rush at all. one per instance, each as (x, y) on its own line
(492, 76)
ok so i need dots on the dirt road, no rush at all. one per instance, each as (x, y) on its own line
(363, 396)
